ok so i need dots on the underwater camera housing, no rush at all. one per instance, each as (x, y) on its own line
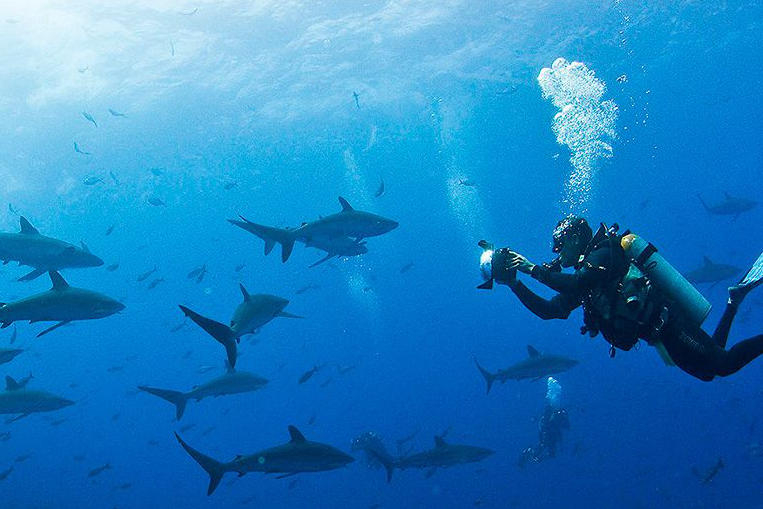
(490, 257)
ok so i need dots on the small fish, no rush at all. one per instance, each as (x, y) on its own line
(14, 334)
(208, 431)
(153, 441)
(115, 113)
(115, 369)
(325, 384)
(146, 275)
(80, 151)
(708, 476)
(5, 473)
(187, 427)
(156, 202)
(79, 457)
(89, 118)
(380, 190)
(114, 178)
(304, 289)
(156, 282)
(356, 96)
(112, 267)
(230, 185)
(12, 210)
(57, 422)
(344, 369)
(156, 172)
(466, 182)
(123, 486)
(179, 326)
(91, 181)
(99, 470)
(239, 268)
(198, 273)
(83, 70)
(187, 354)
(312, 419)
(405, 268)
(4, 437)
(172, 48)
(116, 417)
(309, 373)
(623, 78)
(109, 230)
(189, 13)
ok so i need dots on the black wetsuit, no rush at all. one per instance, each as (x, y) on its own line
(550, 427)
(689, 347)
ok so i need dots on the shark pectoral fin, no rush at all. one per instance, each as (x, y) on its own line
(17, 418)
(287, 247)
(324, 259)
(54, 327)
(284, 314)
(287, 475)
(269, 245)
(32, 275)
(430, 472)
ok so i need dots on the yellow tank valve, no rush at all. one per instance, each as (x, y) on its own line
(627, 241)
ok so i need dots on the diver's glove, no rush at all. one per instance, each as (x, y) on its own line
(502, 273)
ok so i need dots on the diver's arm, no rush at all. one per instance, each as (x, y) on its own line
(560, 306)
(586, 277)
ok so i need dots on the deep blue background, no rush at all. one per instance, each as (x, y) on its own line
(293, 140)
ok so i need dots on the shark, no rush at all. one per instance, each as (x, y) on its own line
(443, 455)
(29, 247)
(536, 366)
(20, 401)
(336, 248)
(232, 382)
(62, 304)
(297, 456)
(347, 224)
(711, 272)
(730, 206)
(8, 354)
(252, 314)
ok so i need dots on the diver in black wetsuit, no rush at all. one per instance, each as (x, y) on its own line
(550, 427)
(601, 271)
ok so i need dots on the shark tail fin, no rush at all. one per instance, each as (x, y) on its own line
(221, 332)
(703, 202)
(214, 468)
(487, 375)
(384, 459)
(287, 245)
(176, 398)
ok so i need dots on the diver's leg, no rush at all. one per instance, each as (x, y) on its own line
(692, 352)
(721, 334)
(740, 355)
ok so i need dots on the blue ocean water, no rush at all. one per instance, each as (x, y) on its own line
(247, 108)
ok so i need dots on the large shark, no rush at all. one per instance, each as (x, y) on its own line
(442, 455)
(254, 312)
(29, 247)
(351, 224)
(711, 272)
(536, 366)
(17, 400)
(730, 206)
(232, 382)
(8, 354)
(62, 304)
(297, 456)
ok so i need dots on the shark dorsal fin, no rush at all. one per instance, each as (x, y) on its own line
(532, 352)
(296, 436)
(84, 246)
(244, 292)
(59, 283)
(439, 441)
(346, 207)
(707, 260)
(11, 384)
(27, 228)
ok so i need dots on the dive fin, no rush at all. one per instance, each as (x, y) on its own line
(755, 273)
(489, 377)
(32, 275)
(175, 397)
(214, 468)
(52, 328)
(221, 332)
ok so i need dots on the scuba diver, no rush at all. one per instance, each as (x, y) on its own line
(628, 292)
(553, 420)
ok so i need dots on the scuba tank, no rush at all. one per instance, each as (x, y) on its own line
(688, 301)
